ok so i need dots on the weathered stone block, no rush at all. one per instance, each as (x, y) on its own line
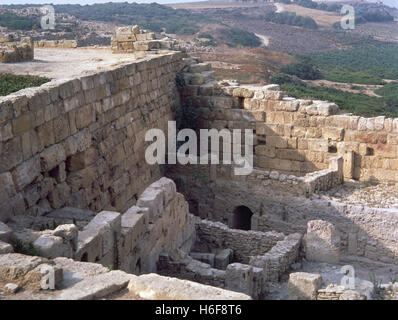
(51, 246)
(5, 248)
(303, 286)
(223, 259)
(25, 173)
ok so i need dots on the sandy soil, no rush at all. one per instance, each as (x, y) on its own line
(67, 63)
(322, 18)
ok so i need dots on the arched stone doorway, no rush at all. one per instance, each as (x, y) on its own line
(242, 218)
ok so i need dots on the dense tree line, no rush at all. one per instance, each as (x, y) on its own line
(14, 22)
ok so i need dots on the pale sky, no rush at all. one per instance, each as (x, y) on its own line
(82, 2)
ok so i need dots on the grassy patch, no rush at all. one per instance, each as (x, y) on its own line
(389, 90)
(10, 83)
(377, 59)
(345, 76)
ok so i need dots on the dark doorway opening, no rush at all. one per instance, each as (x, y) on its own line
(242, 218)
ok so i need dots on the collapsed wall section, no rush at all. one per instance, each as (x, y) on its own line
(80, 142)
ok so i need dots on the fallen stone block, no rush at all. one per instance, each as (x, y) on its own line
(97, 287)
(155, 287)
(5, 248)
(15, 266)
(11, 288)
(303, 286)
(69, 233)
(223, 259)
(204, 257)
(5, 233)
(51, 246)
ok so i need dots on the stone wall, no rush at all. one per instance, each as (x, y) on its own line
(89, 281)
(131, 241)
(279, 259)
(20, 51)
(365, 231)
(80, 142)
(131, 39)
(243, 243)
(65, 44)
(294, 135)
(258, 258)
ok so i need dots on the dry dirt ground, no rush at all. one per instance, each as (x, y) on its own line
(245, 64)
(67, 63)
(322, 18)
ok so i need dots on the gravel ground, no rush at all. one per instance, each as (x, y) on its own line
(381, 195)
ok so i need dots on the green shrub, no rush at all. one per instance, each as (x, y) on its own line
(236, 37)
(345, 76)
(10, 83)
(304, 70)
(283, 78)
(377, 59)
(15, 22)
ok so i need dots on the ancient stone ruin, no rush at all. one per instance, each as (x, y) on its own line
(132, 39)
(16, 51)
(77, 195)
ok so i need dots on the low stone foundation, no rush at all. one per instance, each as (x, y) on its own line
(11, 51)
(132, 39)
(65, 44)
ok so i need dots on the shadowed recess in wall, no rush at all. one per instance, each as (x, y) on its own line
(242, 218)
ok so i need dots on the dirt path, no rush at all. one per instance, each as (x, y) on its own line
(279, 8)
(348, 87)
(264, 39)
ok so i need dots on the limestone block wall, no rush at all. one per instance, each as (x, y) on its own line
(131, 39)
(11, 51)
(259, 258)
(272, 252)
(278, 205)
(131, 241)
(294, 135)
(276, 261)
(80, 142)
(243, 243)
